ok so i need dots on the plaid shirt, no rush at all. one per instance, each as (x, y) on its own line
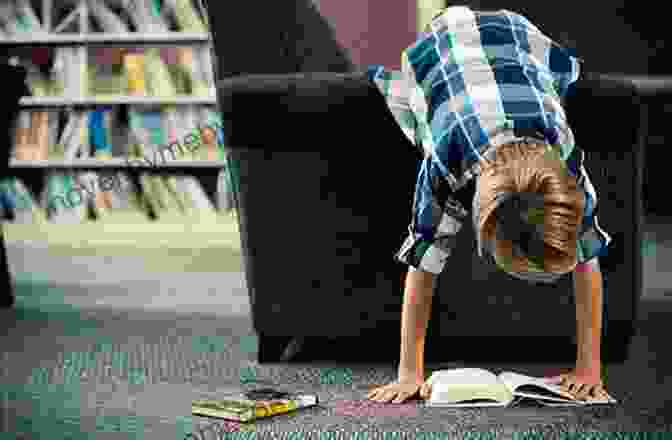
(471, 82)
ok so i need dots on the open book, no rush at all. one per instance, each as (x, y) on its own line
(464, 387)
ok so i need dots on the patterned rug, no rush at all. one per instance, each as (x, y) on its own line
(106, 371)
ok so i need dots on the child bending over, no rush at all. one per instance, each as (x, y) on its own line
(481, 94)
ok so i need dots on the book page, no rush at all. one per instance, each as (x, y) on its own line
(467, 387)
(533, 387)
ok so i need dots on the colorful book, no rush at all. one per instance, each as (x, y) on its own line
(159, 81)
(19, 18)
(114, 197)
(146, 16)
(226, 199)
(100, 132)
(240, 408)
(106, 19)
(64, 199)
(147, 135)
(32, 134)
(75, 136)
(135, 73)
(162, 201)
(186, 16)
(17, 202)
(193, 199)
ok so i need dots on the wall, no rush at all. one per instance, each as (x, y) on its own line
(374, 31)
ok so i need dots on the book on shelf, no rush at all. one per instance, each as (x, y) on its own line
(64, 199)
(115, 198)
(241, 407)
(106, 19)
(18, 204)
(193, 199)
(225, 191)
(186, 16)
(214, 137)
(148, 135)
(145, 16)
(72, 136)
(134, 65)
(70, 72)
(161, 200)
(33, 132)
(475, 387)
(19, 19)
(159, 82)
(100, 132)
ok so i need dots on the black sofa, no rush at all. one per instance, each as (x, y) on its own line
(326, 187)
(308, 134)
(314, 143)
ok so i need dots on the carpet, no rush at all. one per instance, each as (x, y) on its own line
(108, 372)
(90, 352)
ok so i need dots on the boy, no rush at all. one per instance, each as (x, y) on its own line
(481, 93)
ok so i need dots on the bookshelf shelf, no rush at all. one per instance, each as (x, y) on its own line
(63, 101)
(114, 163)
(108, 39)
(220, 230)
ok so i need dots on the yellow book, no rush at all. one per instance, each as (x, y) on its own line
(239, 408)
(135, 72)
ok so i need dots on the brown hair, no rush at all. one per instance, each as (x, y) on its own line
(532, 167)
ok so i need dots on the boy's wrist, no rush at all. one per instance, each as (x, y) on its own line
(589, 367)
(405, 374)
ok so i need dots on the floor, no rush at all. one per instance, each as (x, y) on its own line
(116, 346)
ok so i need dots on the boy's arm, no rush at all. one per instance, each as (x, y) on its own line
(586, 379)
(588, 298)
(414, 318)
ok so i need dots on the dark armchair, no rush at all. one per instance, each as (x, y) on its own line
(326, 188)
(327, 181)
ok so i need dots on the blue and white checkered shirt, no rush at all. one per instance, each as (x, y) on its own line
(473, 81)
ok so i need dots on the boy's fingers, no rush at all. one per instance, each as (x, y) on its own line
(372, 392)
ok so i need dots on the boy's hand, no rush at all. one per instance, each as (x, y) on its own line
(583, 386)
(399, 390)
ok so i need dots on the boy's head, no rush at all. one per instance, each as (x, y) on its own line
(529, 209)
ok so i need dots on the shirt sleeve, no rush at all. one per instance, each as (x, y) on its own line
(565, 68)
(394, 86)
(437, 218)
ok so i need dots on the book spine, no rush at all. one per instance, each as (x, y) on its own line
(21, 136)
(135, 72)
(234, 417)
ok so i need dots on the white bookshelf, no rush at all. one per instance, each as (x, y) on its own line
(106, 39)
(116, 163)
(202, 230)
(92, 101)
